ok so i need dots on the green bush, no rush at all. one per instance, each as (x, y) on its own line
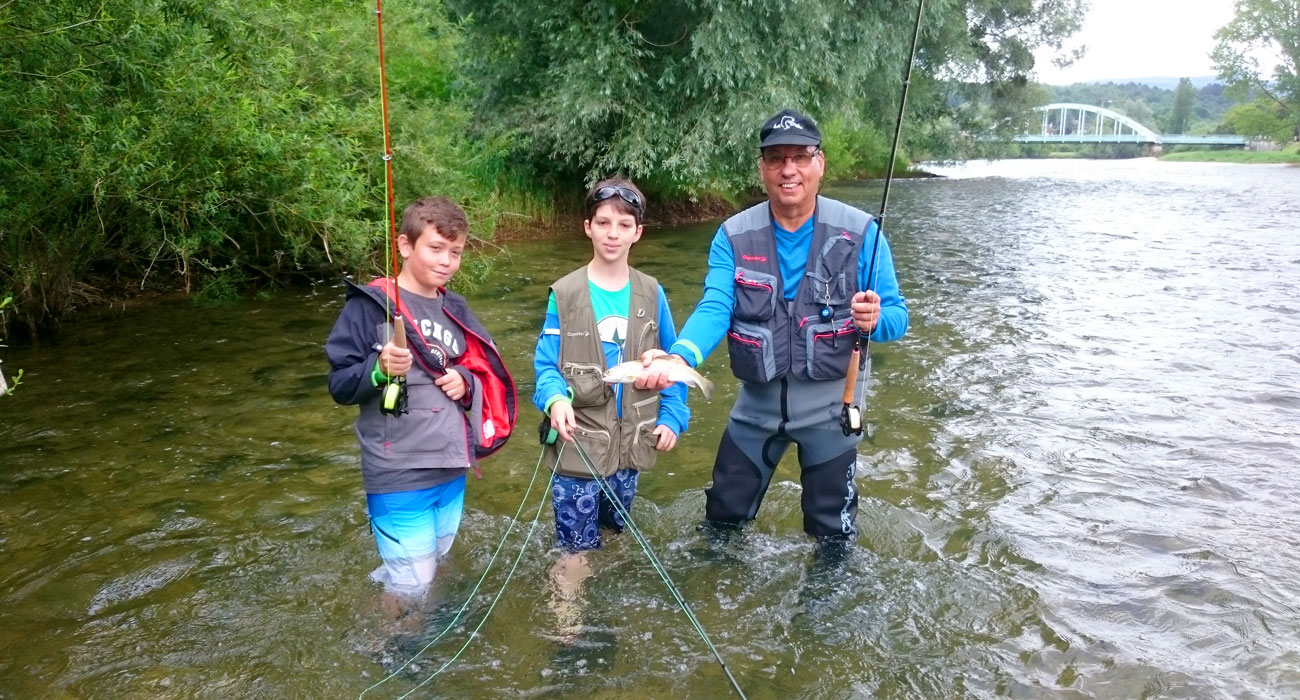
(859, 153)
(203, 145)
(212, 145)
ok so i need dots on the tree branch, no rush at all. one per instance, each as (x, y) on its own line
(55, 31)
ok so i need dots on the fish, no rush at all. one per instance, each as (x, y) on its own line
(627, 372)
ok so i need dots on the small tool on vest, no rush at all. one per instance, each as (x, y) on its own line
(394, 398)
(825, 314)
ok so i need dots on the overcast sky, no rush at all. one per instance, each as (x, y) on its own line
(1142, 38)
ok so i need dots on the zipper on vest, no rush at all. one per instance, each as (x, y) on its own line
(741, 279)
(785, 405)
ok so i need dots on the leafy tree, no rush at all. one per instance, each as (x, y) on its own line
(1184, 102)
(208, 144)
(1263, 27)
(670, 91)
(1139, 111)
(1261, 119)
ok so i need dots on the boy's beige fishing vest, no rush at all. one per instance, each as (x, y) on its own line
(611, 443)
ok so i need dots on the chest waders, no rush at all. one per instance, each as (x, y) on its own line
(791, 357)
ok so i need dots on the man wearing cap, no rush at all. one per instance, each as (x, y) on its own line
(791, 282)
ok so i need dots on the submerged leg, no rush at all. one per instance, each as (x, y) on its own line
(830, 497)
(742, 471)
(568, 575)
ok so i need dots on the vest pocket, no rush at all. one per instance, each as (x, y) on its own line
(755, 295)
(643, 452)
(828, 282)
(588, 387)
(827, 347)
(645, 409)
(596, 444)
(750, 349)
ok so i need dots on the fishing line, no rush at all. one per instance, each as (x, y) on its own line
(509, 574)
(656, 564)
(390, 249)
(513, 521)
(851, 414)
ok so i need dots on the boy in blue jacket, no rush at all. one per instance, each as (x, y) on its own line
(597, 316)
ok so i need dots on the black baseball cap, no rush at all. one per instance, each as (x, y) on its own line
(789, 128)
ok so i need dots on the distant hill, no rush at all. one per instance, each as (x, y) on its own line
(1165, 82)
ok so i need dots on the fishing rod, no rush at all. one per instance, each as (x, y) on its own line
(851, 413)
(393, 401)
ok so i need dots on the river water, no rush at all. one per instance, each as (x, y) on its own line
(1080, 482)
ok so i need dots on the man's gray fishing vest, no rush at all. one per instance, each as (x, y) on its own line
(611, 443)
(810, 337)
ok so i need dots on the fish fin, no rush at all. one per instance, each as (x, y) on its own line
(706, 388)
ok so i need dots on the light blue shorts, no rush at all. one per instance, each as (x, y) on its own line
(413, 530)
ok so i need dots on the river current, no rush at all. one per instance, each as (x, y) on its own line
(1079, 482)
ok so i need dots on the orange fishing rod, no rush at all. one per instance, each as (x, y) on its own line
(394, 397)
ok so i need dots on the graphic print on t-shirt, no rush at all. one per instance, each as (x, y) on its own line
(613, 330)
(446, 340)
(435, 332)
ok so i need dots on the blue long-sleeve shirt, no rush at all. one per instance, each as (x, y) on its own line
(551, 386)
(708, 324)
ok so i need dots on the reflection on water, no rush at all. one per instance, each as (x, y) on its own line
(1078, 482)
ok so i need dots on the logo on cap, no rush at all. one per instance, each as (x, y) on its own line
(786, 122)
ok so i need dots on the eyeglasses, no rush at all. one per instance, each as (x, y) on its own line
(627, 195)
(776, 160)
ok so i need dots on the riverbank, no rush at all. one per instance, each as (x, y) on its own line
(111, 295)
(1290, 154)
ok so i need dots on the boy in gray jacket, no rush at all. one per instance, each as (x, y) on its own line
(459, 403)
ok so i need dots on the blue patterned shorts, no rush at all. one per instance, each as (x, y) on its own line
(582, 508)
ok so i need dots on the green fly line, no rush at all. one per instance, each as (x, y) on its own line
(464, 606)
(656, 564)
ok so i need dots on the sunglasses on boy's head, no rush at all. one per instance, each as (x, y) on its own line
(629, 196)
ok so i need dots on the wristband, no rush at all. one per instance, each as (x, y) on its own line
(377, 375)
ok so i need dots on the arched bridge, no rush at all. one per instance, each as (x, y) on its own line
(1070, 122)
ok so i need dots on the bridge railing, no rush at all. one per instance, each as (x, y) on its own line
(1069, 122)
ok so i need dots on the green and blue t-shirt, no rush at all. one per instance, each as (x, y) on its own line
(610, 308)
